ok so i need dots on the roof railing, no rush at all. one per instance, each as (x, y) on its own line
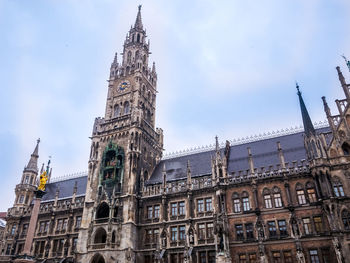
(243, 140)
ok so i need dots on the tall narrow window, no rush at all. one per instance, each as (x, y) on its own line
(282, 226)
(173, 209)
(245, 201)
(267, 198)
(210, 230)
(208, 204)
(346, 219)
(116, 110)
(126, 107)
(287, 256)
(318, 224)
(307, 226)
(311, 193)
(156, 211)
(326, 255)
(149, 212)
(301, 195)
(200, 205)
(314, 256)
(338, 188)
(277, 199)
(236, 203)
(21, 199)
(239, 232)
(173, 234)
(201, 231)
(129, 57)
(181, 208)
(249, 231)
(242, 258)
(272, 229)
(276, 257)
(182, 231)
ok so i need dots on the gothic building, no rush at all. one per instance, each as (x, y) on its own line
(283, 197)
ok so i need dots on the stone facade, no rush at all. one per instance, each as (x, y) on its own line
(280, 198)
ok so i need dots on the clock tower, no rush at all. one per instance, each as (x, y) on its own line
(125, 149)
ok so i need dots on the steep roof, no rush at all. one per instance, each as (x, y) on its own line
(66, 188)
(264, 153)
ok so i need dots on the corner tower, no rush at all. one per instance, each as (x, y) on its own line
(125, 149)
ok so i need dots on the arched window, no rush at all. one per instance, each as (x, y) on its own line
(126, 107)
(116, 110)
(129, 57)
(98, 258)
(346, 148)
(277, 199)
(338, 187)
(138, 38)
(21, 199)
(236, 203)
(267, 198)
(144, 59)
(300, 194)
(245, 201)
(346, 219)
(102, 211)
(311, 193)
(100, 236)
(137, 55)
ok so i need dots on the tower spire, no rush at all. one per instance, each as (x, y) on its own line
(138, 22)
(33, 161)
(308, 126)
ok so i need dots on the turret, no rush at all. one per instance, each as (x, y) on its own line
(25, 189)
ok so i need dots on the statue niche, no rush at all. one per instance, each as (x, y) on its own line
(112, 167)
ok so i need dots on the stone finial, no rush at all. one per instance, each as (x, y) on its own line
(281, 156)
(250, 161)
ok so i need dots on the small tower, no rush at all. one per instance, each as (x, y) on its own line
(25, 189)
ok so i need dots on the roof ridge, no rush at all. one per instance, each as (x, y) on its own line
(243, 140)
(68, 177)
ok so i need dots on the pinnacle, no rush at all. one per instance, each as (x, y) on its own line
(138, 22)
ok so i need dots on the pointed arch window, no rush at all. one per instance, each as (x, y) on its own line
(346, 148)
(129, 57)
(116, 110)
(338, 187)
(126, 107)
(345, 215)
(300, 194)
(311, 192)
(138, 38)
(137, 55)
(236, 203)
(267, 198)
(277, 199)
(245, 201)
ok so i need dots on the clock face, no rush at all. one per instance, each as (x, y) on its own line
(123, 85)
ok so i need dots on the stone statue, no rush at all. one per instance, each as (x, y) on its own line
(300, 256)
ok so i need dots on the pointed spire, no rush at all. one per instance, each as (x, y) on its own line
(33, 161)
(138, 22)
(308, 126)
(343, 83)
(328, 114)
(154, 67)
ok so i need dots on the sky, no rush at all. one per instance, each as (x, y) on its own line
(225, 68)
